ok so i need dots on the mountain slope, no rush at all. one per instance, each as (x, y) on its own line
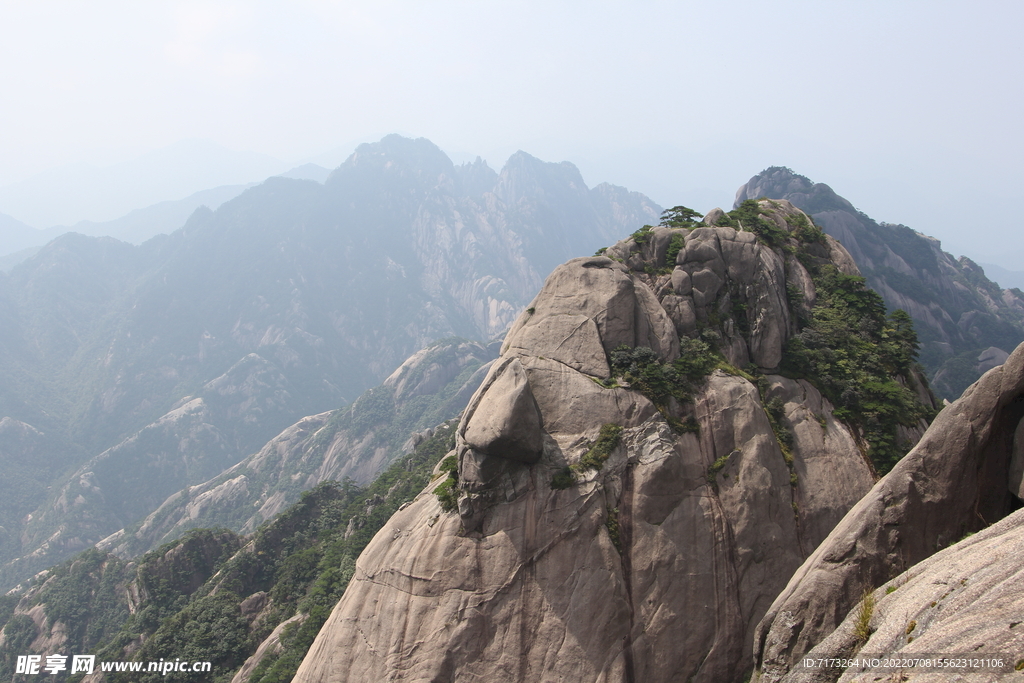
(349, 444)
(959, 313)
(252, 602)
(189, 352)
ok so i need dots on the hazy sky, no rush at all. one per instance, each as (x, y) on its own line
(912, 110)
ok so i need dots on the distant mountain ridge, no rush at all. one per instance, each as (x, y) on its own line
(19, 242)
(963, 319)
(353, 443)
(1007, 279)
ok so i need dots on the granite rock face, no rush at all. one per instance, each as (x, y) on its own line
(655, 566)
(962, 476)
(963, 600)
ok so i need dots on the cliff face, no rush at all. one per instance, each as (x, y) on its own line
(965, 601)
(963, 475)
(964, 320)
(628, 501)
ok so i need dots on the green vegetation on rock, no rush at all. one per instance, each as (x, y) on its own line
(642, 235)
(855, 354)
(680, 217)
(748, 216)
(958, 312)
(862, 623)
(611, 523)
(675, 246)
(597, 453)
(643, 370)
(862, 360)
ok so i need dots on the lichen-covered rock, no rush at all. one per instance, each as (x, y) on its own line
(650, 556)
(958, 479)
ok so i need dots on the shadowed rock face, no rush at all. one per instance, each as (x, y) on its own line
(963, 475)
(658, 565)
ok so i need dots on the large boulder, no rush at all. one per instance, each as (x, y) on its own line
(506, 420)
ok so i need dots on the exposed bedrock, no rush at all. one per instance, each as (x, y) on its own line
(965, 601)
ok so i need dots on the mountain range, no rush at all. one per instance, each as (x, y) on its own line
(18, 241)
(189, 352)
(724, 383)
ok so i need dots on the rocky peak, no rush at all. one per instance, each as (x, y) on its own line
(628, 500)
(397, 156)
(958, 311)
(525, 176)
(476, 177)
(781, 182)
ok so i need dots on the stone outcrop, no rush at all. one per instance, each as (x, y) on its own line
(962, 476)
(654, 565)
(507, 419)
(270, 646)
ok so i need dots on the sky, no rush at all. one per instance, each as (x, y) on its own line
(911, 110)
